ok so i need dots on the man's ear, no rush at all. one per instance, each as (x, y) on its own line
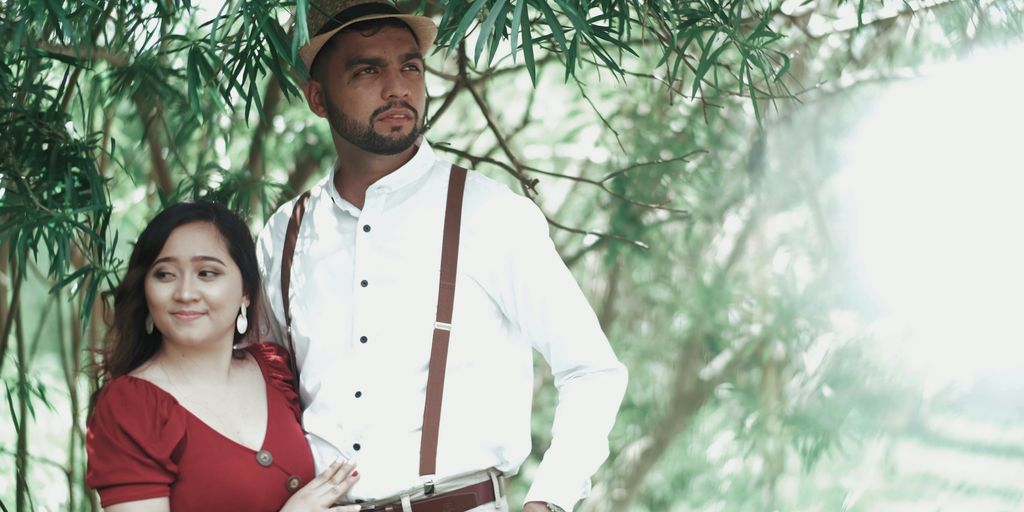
(314, 92)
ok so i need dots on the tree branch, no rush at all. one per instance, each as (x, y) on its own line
(161, 172)
(529, 186)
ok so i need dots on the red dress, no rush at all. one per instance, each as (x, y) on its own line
(142, 444)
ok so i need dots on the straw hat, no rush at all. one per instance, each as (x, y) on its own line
(326, 17)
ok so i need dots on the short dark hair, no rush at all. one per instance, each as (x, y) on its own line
(128, 345)
(367, 28)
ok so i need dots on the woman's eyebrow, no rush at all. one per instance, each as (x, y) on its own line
(172, 259)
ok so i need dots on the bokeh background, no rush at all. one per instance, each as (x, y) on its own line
(799, 222)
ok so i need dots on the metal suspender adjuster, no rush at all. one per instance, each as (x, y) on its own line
(443, 326)
(428, 484)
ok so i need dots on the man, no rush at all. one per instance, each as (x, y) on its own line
(363, 294)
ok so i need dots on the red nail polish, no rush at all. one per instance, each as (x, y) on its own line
(355, 473)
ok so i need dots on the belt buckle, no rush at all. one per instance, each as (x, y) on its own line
(428, 484)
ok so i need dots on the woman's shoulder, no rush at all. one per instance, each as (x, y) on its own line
(274, 361)
(137, 407)
(133, 420)
(273, 358)
(131, 390)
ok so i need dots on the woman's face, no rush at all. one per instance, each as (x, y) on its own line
(194, 288)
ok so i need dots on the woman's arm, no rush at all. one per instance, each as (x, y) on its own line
(150, 505)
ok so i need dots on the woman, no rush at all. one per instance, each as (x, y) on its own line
(186, 420)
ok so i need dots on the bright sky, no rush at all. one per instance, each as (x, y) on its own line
(937, 179)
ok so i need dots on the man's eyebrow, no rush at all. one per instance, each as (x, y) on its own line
(411, 56)
(172, 259)
(367, 61)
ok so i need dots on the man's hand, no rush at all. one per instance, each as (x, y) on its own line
(538, 506)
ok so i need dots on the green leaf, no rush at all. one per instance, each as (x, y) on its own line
(497, 10)
(553, 24)
(707, 59)
(467, 18)
(192, 67)
(570, 57)
(58, 12)
(531, 65)
(784, 68)
(577, 21)
(517, 16)
(301, 35)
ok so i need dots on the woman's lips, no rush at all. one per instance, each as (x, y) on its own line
(187, 315)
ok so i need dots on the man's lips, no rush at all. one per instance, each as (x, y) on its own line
(398, 114)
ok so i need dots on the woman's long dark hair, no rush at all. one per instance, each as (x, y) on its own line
(127, 345)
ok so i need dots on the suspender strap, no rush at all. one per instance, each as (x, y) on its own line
(442, 328)
(291, 236)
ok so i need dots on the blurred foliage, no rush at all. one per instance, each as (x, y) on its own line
(684, 153)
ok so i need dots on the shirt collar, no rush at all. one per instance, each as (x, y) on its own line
(411, 172)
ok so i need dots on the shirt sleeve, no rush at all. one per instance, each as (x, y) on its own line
(541, 297)
(133, 439)
(268, 247)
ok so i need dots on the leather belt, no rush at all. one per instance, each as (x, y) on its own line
(459, 500)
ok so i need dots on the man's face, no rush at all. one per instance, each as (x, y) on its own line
(373, 91)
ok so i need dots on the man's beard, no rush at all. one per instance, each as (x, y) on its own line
(365, 138)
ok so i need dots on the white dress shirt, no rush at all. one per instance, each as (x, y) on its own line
(363, 303)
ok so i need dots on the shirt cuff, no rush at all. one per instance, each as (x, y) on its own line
(557, 493)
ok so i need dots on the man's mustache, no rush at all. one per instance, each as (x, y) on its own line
(394, 105)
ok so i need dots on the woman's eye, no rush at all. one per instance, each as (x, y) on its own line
(208, 273)
(162, 275)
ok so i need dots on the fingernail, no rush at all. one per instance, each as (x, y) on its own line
(355, 473)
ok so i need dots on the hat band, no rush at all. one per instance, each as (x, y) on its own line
(355, 12)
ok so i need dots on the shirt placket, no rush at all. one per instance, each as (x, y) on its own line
(366, 308)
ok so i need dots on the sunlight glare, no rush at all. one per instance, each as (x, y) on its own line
(935, 180)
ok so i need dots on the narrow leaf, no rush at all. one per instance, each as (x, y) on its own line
(517, 15)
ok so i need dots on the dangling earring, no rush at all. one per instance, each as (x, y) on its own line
(149, 324)
(241, 323)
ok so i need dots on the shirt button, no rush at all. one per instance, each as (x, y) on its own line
(264, 458)
(363, 339)
(359, 394)
(292, 484)
(364, 283)
(356, 447)
(366, 228)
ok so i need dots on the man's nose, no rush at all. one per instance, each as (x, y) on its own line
(395, 84)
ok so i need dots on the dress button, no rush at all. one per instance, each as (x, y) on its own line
(359, 394)
(356, 447)
(366, 228)
(264, 458)
(364, 283)
(292, 484)
(363, 339)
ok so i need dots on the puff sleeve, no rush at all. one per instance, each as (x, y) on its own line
(277, 370)
(135, 436)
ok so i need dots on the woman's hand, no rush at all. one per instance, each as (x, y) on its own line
(321, 492)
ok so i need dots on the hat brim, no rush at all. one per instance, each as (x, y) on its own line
(422, 26)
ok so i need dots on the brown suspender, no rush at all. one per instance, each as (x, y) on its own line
(442, 328)
(291, 236)
(442, 323)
